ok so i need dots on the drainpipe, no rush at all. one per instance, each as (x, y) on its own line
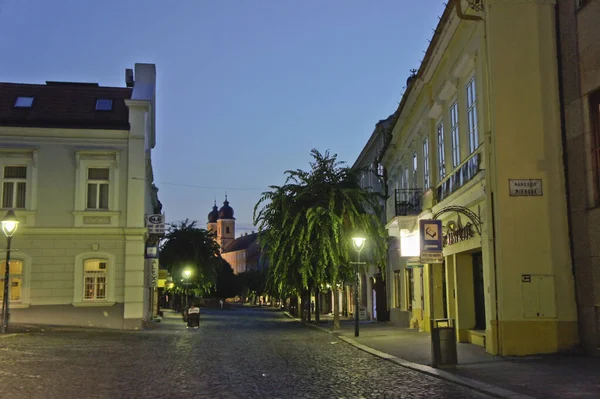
(565, 156)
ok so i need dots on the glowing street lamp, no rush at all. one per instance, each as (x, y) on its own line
(359, 243)
(9, 227)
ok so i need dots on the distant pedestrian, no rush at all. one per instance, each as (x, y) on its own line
(221, 302)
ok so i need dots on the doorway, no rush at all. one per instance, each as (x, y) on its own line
(479, 293)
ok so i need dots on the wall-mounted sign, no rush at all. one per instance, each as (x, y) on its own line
(428, 257)
(526, 278)
(525, 187)
(430, 231)
(457, 232)
(155, 224)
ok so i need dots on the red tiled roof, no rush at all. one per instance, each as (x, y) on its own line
(64, 105)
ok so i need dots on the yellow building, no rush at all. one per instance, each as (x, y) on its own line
(477, 145)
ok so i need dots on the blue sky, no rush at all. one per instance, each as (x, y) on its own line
(246, 88)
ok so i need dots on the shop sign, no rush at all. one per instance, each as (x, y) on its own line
(155, 224)
(430, 231)
(429, 257)
(457, 232)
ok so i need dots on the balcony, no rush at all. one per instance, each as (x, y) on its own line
(463, 174)
(408, 202)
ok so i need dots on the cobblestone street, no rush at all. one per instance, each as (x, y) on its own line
(242, 353)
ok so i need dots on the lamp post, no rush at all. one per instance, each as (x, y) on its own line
(186, 275)
(9, 227)
(359, 243)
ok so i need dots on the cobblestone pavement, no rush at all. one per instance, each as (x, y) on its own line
(243, 353)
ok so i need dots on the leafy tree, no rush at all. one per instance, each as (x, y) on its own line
(227, 285)
(306, 225)
(186, 246)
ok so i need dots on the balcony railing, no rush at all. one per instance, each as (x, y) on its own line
(459, 178)
(408, 201)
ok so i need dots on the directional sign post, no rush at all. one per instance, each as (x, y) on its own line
(430, 232)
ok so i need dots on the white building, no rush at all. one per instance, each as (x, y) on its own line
(75, 162)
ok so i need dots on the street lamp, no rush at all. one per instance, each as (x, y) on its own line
(9, 227)
(359, 243)
(186, 275)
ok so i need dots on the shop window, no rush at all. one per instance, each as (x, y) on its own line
(15, 279)
(397, 289)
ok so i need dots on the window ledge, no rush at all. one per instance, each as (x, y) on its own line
(92, 304)
(94, 212)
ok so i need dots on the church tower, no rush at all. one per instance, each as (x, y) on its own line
(225, 225)
(213, 216)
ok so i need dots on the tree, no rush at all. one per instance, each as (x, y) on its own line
(187, 247)
(306, 225)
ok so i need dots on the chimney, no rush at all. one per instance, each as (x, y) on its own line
(129, 77)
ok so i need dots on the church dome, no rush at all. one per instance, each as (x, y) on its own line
(214, 214)
(226, 212)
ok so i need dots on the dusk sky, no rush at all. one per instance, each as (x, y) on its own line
(245, 88)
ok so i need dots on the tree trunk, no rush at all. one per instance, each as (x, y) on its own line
(317, 305)
(308, 310)
(344, 301)
(336, 308)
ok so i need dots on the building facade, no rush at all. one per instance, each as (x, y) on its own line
(373, 289)
(242, 253)
(478, 146)
(77, 170)
(580, 82)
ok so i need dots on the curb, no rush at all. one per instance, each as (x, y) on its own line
(434, 372)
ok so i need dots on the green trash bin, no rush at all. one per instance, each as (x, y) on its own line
(443, 343)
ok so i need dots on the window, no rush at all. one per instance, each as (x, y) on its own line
(454, 134)
(15, 279)
(426, 163)
(94, 279)
(14, 186)
(103, 104)
(472, 117)
(24, 102)
(595, 114)
(397, 288)
(415, 169)
(379, 169)
(97, 188)
(227, 230)
(441, 151)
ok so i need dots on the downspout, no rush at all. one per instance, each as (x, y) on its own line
(463, 16)
(565, 156)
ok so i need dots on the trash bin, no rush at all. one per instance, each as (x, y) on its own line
(443, 343)
(193, 317)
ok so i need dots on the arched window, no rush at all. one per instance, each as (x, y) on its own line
(227, 230)
(94, 279)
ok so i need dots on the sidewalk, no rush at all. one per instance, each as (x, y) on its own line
(542, 376)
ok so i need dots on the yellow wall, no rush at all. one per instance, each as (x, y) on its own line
(512, 55)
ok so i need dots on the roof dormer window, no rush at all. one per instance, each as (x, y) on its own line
(104, 104)
(24, 102)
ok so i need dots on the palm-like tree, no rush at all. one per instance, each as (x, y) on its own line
(306, 225)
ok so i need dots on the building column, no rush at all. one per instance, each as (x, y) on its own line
(134, 282)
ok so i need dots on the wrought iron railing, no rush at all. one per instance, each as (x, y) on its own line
(408, 201)
(458, 178)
